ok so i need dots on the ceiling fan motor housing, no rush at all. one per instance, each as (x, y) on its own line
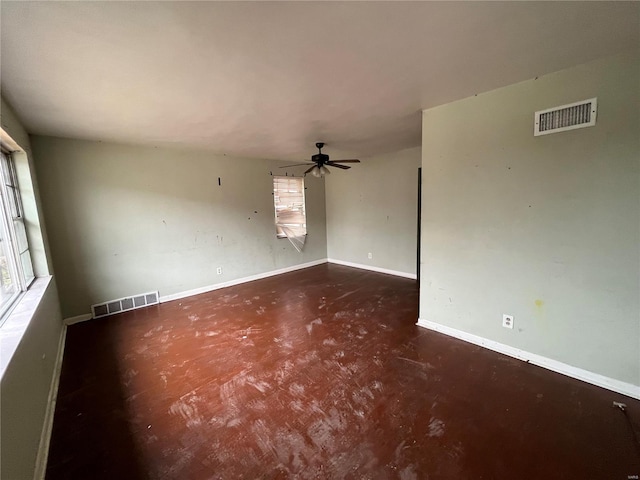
(320, 158)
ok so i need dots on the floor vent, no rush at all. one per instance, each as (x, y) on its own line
(566, 117)
(124, 304)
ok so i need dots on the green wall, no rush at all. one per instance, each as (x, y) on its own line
(373, 208)
(30, 336)
(544, 228)
(124, 220)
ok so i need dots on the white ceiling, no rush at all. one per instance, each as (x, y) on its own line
(270, 79)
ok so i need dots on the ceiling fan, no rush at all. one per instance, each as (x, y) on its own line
(320, 162)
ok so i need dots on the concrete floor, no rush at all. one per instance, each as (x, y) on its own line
(320, 373)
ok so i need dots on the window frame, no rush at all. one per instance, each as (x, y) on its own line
(12, 212)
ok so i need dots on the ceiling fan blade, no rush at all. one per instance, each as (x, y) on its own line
(296, 165)
(307, 171)
(333, 164)
(350, 160)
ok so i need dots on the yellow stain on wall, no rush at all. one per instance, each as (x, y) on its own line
(539, 313)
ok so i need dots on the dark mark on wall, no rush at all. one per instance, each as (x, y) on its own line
(219, 181)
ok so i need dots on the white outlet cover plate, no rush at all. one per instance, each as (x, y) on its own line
(507, 321)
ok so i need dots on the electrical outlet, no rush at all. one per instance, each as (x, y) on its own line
(219, 270)
(369, 255)
(507, 321)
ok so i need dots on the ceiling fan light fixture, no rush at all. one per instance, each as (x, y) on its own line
(324, 170)
(316, 172)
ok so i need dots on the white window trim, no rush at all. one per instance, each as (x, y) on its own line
(15, 265)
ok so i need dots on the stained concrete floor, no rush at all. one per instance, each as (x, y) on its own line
(320, 373)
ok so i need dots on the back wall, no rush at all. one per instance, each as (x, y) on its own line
(373, 208)
(124, 220)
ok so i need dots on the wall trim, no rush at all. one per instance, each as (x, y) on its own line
(251, 278)
(47, 428)
(77, 319)
(596, 379)
(237, 281)
(397, 273)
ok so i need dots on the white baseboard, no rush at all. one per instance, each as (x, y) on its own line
(259, 276)
(77, 319)
(238, 281)
(412, 276)
(47, 428)
(586, 376)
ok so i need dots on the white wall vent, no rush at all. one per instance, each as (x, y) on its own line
(566, 117)
(124, 304)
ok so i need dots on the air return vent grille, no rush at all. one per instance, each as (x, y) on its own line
(566, 117)
(124, 304)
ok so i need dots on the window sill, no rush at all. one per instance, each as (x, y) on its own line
(18, 320)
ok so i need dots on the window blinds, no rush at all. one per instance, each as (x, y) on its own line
(291, 220)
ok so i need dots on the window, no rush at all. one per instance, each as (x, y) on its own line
(16, 269)
(288, 198)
